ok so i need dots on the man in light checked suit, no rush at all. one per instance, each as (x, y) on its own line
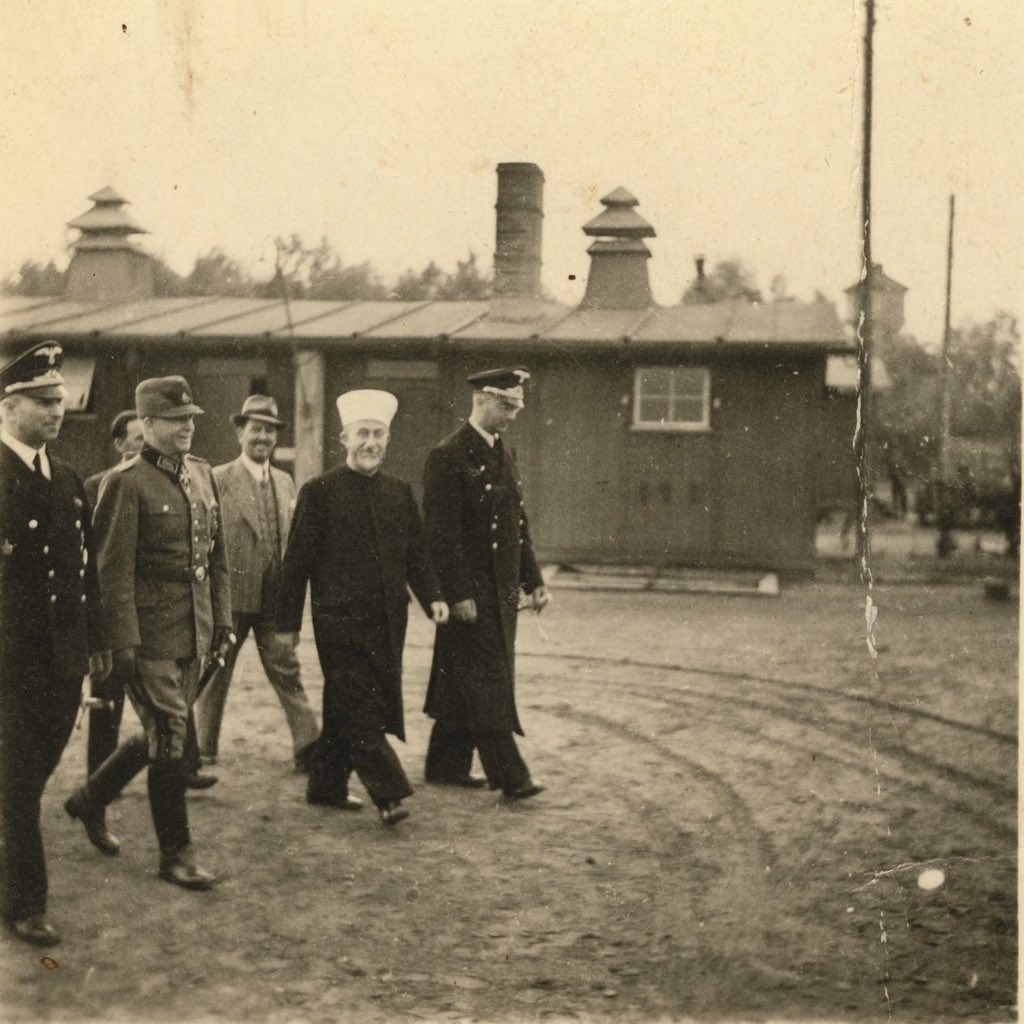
(256, 504)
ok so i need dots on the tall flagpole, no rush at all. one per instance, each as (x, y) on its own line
(865, 329)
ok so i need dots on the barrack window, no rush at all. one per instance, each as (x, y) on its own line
(672, 398)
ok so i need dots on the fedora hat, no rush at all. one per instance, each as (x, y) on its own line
(261, 408)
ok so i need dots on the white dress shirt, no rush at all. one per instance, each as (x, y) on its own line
(27, 453)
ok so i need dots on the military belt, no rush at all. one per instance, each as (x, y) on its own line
(172, 573)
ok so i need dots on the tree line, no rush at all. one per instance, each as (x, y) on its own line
(307, 272)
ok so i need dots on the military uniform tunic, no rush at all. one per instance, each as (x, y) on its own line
(49, 624)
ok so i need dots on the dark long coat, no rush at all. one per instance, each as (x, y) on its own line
(481, 548)
(50, 622)
(359, 543)
(162, 561)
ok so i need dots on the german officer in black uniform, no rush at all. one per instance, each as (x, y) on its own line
(50, 623)
(481, 548)
(167, 605)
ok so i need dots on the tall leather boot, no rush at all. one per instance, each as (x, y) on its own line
(88, 803)
(168, 806)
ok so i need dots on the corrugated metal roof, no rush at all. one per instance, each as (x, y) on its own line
(813, 325)
(432, 320)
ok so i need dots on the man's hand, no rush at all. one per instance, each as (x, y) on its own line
(287, 639)
(439, 612)
(222, 642)
(464, 611)
(540, 599)
(124, 660)
(100, 665)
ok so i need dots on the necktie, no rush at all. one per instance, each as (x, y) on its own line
(37, 464)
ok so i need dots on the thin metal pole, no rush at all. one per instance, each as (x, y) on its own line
(944, 543)
(865, 324)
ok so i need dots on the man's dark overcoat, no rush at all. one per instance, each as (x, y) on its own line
(50, 622)
(359, 542)
(480, 544)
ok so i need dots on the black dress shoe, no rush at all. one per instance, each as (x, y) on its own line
(527, 789)
(341, 803)
(78, 806)
(304, 758)
(197, 780)
(462, 781)
(393, 813)
(35, 929)
(181, 869)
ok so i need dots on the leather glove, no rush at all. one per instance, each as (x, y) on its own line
(223, 641)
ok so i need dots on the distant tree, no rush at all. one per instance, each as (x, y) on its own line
(433, 283)
(216, 273)
(413, 287)
(319, 273)
(166, 282)
(33, 278)
(985, 378)
(730, 280)
(466, 283)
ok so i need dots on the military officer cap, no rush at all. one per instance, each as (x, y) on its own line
(168, 398)
(262, 409)
(506, 382)
(35, 372)
(367, 404)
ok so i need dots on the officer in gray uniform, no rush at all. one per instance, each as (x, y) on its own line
(166, 603)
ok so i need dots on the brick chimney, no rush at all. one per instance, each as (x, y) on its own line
(520, 212)
(107, 265)
(618, 256)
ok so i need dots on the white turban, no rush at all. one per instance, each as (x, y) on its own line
(367, 404)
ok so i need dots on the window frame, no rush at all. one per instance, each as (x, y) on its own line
(672, 426)
(79, 368)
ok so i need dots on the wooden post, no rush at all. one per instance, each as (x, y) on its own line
(945, 513)
(865, 326)
(309, 414)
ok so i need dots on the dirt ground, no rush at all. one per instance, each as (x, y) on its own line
(740, 805)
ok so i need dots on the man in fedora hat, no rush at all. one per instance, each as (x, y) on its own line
(357, 540)
(256, 501)
(167, 607)
(50, 623)
(481, 547)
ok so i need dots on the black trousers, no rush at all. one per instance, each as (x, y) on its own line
(353, 737)
(450, 756)
(37, 714)
(105, 722)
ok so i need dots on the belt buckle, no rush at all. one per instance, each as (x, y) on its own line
(200, 573)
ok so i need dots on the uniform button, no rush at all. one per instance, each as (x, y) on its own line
(197, 538)
(46, 549)
(167, 508)
(495, 545)
(53, 599)
(483, 469)
(488, 487)
(520, 522)
(78, 524)
(81, 573)
(33, 523)
(50, 574)
(82, 599)
(494, 526)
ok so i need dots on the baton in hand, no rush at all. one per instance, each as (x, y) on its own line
(216, 662)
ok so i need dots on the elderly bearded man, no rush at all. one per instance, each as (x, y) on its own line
(357, 539)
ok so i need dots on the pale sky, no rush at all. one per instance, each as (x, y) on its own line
(379, 124)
